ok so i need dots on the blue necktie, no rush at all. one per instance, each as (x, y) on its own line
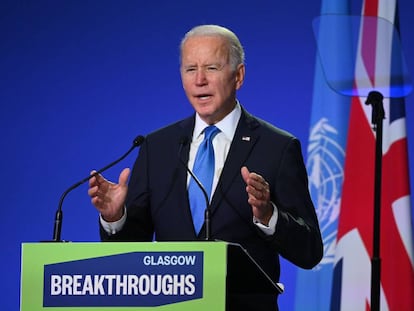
(204, 170)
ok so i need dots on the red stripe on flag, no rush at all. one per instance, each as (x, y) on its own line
(358, 191)
(370, 8)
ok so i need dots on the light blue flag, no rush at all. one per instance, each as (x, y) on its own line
(325, 157)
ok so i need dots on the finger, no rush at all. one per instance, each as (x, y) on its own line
(92, 180)
(256, 179)
(245, 174)
(253, 182)
(93, 191)
(123, 177)
(98, 203)
(258, 182)
(256, 194)
(100, 179)
(96, 179)
(246, 177)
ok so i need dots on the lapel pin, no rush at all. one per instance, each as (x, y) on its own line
(246, 138)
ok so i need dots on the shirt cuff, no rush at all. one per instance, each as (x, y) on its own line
(113, 227)
(271, 227)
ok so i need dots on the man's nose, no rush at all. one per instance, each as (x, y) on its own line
(201, 77)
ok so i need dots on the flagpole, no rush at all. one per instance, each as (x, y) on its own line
(375, 99)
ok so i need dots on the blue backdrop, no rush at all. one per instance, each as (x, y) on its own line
(80, 79)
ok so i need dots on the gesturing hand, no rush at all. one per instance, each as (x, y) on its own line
(108, 197)
(258, 192)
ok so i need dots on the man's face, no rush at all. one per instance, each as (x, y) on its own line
(208, 79)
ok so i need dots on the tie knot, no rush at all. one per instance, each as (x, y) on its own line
(210, 132)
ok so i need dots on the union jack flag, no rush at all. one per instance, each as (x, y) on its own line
(354, 248)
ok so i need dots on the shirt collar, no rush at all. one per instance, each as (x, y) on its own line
(227, 125)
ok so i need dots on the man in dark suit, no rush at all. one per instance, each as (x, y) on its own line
(259, 195)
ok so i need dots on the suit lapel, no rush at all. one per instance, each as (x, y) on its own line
(186, 129)
(244, 140)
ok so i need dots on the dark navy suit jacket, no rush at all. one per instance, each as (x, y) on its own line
(157, 200)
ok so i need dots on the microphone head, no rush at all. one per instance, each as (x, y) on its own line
(138, 140)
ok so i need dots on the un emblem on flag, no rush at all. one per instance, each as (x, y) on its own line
(325, 168)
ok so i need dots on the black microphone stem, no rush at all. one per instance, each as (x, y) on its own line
(207, 210)
(207, 217)
(59, 213)
(378, 114)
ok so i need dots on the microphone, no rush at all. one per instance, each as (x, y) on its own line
(59, 213)
(207, 217)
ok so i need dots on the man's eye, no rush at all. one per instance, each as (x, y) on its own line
(212, 68)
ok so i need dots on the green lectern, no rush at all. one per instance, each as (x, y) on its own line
(137, 276)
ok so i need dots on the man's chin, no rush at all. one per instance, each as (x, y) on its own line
(207, 116)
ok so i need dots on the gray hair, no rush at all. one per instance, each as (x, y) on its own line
(236, 51)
